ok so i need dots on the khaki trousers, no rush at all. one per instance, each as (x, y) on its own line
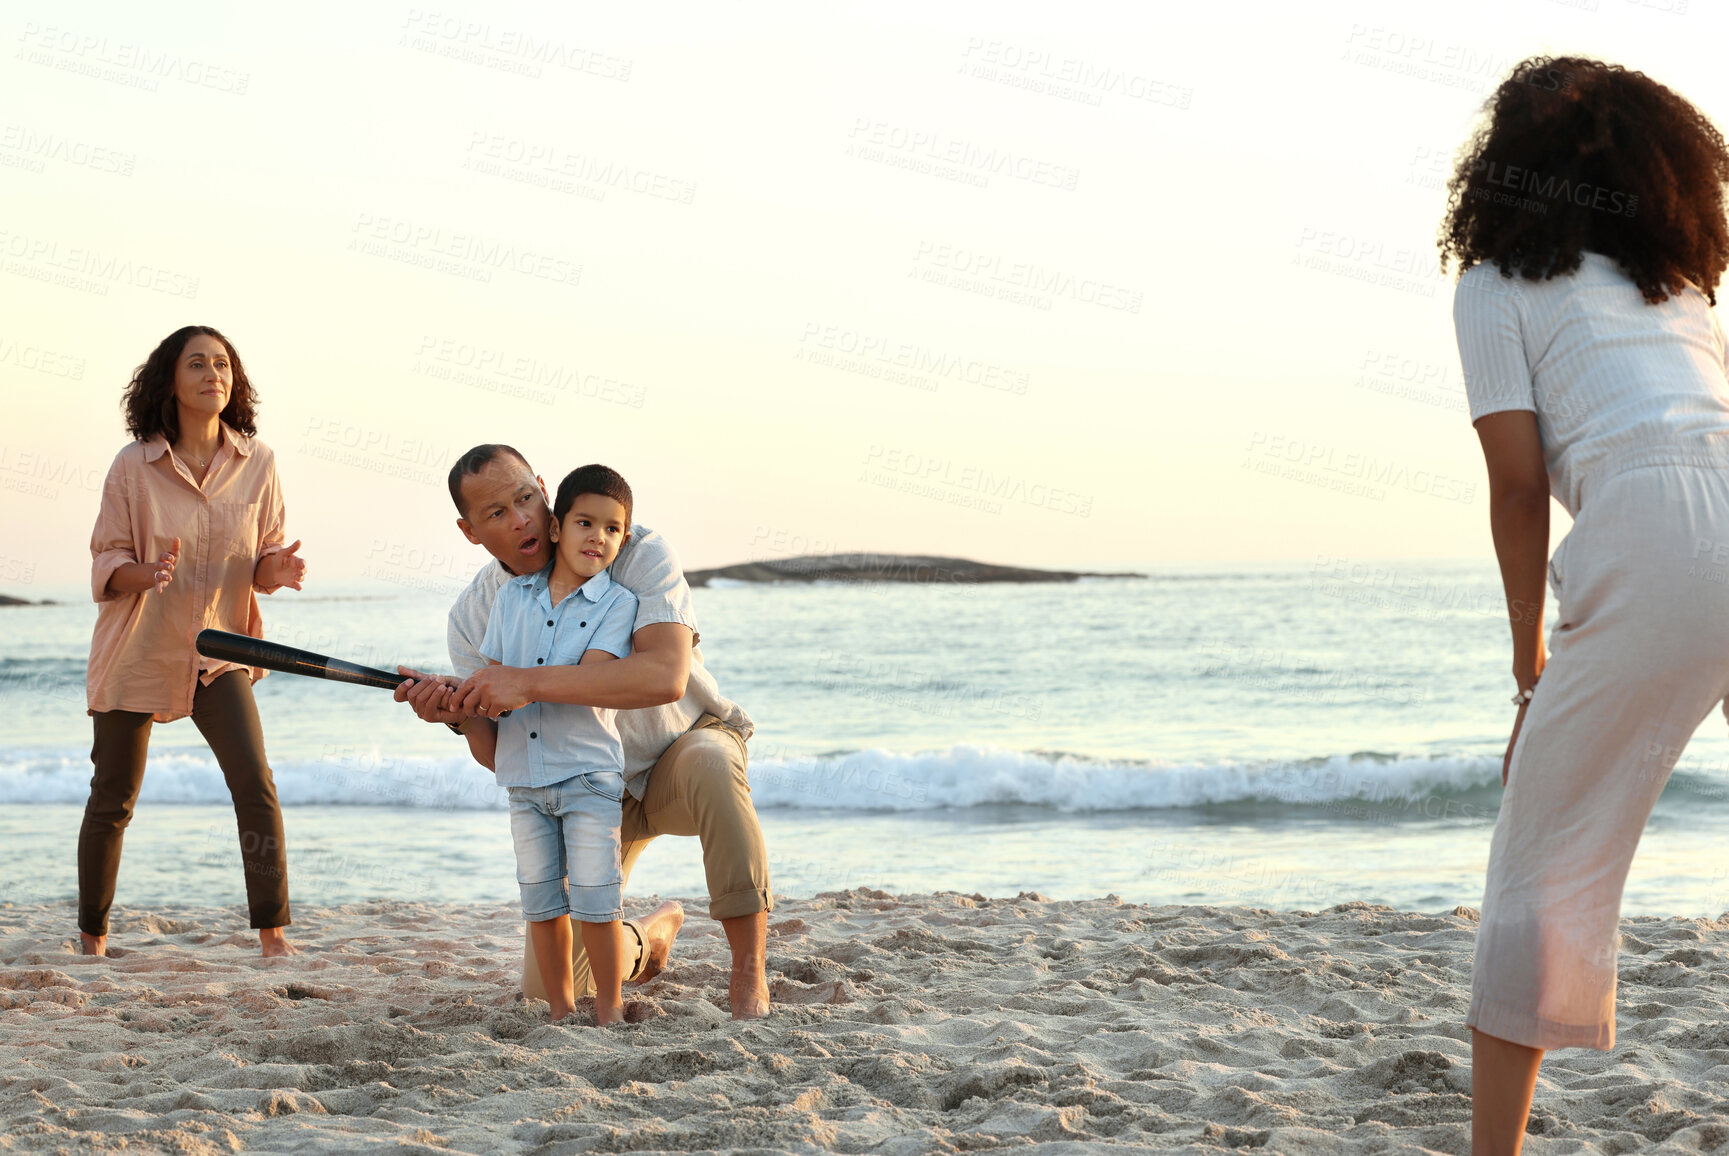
(1638, 657)
(698, 787)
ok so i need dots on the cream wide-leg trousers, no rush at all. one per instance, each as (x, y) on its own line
(1638, 657)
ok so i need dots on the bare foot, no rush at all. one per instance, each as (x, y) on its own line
(608, 1013)
(747, 990)
(659, 930)
(93, 944)
(274, 942)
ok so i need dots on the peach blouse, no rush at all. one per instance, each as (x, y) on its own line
(141, 654)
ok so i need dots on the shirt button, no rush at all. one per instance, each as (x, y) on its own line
(533, 734)
(582, 624)
(549, 622)
(538, 661)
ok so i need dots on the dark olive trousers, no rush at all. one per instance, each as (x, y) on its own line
(226, 715)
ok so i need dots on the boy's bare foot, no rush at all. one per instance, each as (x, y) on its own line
(747, 990)
(608, 1014)
(274, 942)
(659, 930)
(93, 944)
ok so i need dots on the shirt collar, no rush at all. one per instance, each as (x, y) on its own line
(156, 445)
(595, 588)
(540, 585)
(536, 583)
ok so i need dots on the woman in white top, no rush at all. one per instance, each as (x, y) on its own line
(1587, 217)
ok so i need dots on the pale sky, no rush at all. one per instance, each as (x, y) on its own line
(1105, 284)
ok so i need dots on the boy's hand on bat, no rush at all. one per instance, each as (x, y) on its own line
(432, 696)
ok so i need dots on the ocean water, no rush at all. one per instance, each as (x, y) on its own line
(1286, 737)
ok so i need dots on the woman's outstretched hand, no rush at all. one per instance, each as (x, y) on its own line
(283, 568)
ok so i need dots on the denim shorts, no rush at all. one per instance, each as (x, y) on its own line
(567, 848)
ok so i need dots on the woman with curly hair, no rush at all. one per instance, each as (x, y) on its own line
(1587, 217)
(189, 531)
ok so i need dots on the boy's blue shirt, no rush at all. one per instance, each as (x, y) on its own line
(545, 743)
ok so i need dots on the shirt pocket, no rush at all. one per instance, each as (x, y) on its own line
(235, 533)
(572, 636)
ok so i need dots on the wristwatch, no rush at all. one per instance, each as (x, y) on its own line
(455, 729)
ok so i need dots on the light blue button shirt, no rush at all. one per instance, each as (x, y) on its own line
(545, 743)
(649, 568)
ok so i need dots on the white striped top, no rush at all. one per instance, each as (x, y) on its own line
(1615, 382)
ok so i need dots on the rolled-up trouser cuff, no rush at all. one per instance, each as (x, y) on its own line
(543, 900)
(737, 903)
(555, 898)
(545, 916)
(1518, 1026)
(638, 955)
(601, 904)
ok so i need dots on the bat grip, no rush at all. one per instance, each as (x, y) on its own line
(495, 717)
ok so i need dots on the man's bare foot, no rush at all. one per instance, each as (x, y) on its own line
(608, 1014)
(274, 942)
(747, 990)
(93, 944)
(658, 932)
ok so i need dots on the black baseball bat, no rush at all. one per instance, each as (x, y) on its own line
(250, 651)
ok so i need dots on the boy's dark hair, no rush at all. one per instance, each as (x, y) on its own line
(472, 462)
(1576, 154)
(592, 479)
(149, 402)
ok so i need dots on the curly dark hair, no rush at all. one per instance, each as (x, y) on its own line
(149, 397)
(1576, 154)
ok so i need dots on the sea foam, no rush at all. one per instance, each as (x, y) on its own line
(870, 780)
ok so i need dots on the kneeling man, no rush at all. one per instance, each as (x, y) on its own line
(684, 743)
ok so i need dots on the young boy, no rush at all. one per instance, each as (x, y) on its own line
(563, 764)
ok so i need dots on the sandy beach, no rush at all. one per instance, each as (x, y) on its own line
(904, 1024)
